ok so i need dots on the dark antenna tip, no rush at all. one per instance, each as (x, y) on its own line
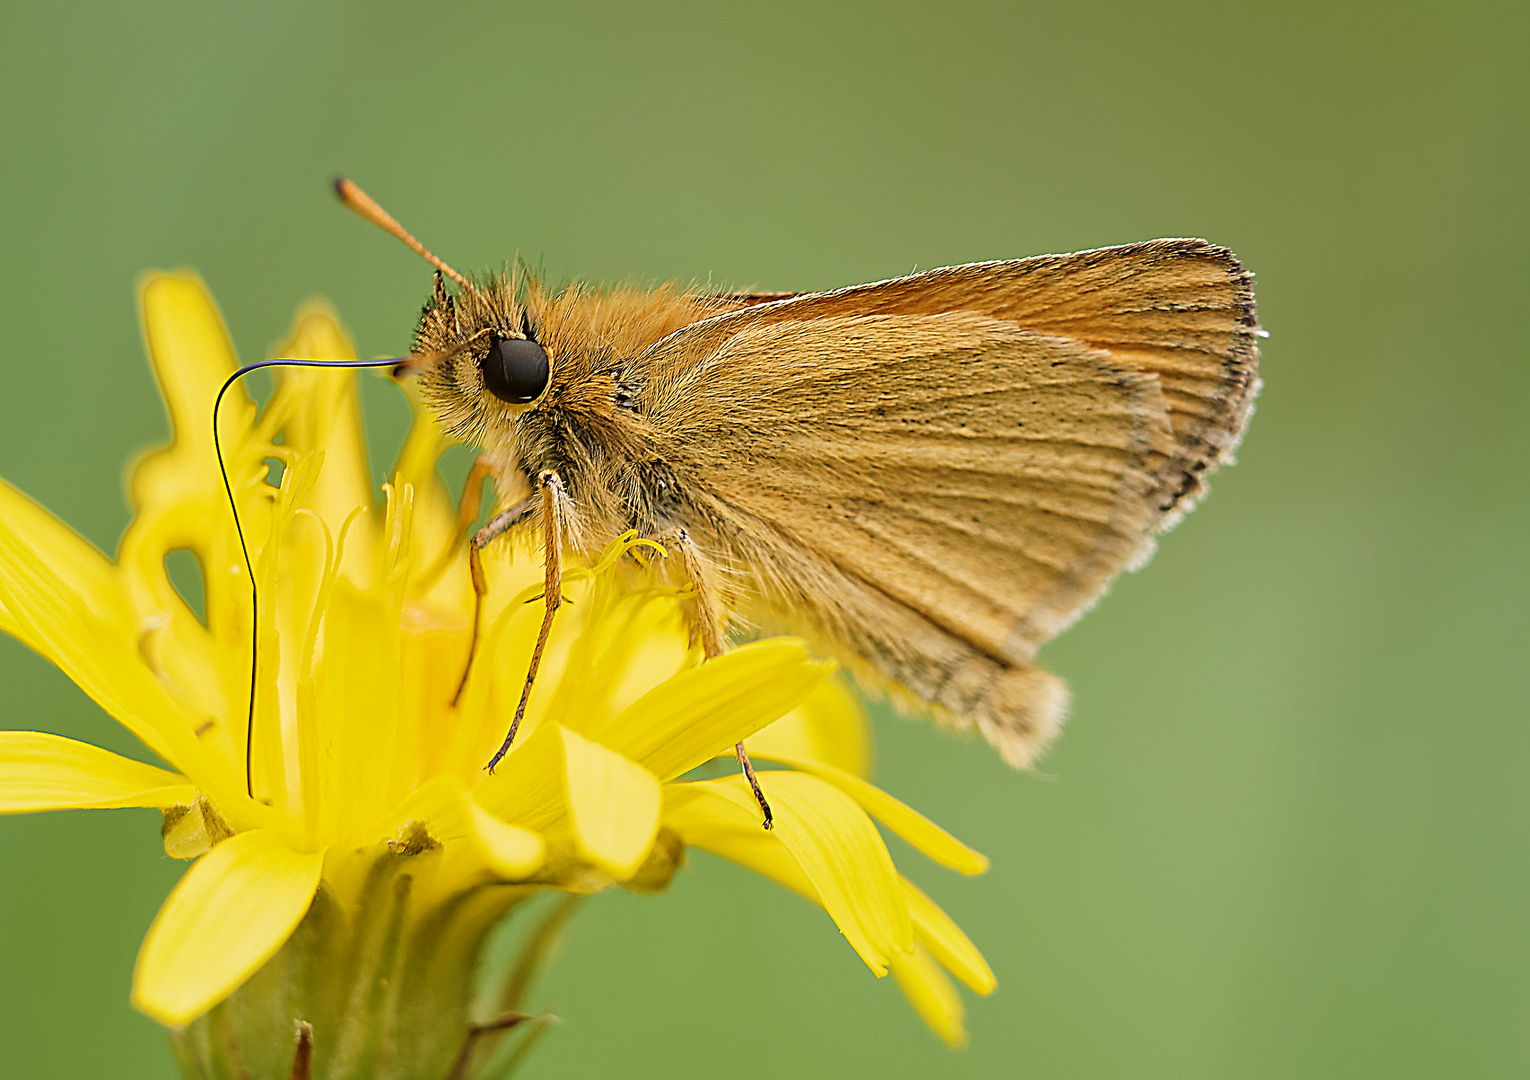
(362, 204)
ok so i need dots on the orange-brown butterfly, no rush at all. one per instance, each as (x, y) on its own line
(928, 476)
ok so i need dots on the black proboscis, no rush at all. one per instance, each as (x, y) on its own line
(249, 568)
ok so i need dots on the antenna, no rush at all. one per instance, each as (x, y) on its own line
(362, 203)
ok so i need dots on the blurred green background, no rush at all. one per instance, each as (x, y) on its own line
(1285, 834)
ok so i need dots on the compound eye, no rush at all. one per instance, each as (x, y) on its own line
(515, 369)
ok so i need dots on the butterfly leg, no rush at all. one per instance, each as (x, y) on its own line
(554, 498)
(710, 629)
(496, 527)
(471, 501)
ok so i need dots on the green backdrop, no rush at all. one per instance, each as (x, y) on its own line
(1285, 834)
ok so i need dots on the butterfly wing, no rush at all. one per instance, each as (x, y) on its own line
(936, 474)
(979, 474)
(1182, 310)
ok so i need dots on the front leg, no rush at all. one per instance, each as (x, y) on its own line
(554, 510)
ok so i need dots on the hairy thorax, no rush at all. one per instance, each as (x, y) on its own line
(592, 425)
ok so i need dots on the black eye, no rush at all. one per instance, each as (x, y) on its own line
(515, 370)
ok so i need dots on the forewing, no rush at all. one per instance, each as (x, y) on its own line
(988, 477)
(1182, 310)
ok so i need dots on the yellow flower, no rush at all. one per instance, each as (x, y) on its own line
(368, 806)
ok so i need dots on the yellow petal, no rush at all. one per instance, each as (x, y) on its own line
(356, 707)
(528, 787)
(613, 805)
(72, 614)
(947, 942)
(630, 641)
(610, 803)
(705, 818)
(441, 812)
(437, 798)
(512, 852)
(829, 727)
(320, 410)
(48, 772)
(232, 911)
(729, 827)
(191, 354)
(921, 833)
(932, 996)
(842, 854)
(702, 712)
(71, 557)
(205, 675)
(435, 515)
